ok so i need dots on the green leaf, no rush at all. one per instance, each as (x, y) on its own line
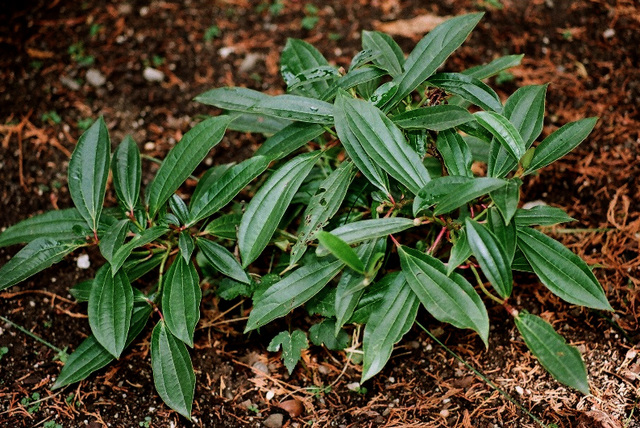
(173, 373)
(147, 236)
(318, 74)
(365, 56)
(363, 230)
(227, 187)
(110, 308)
(82, 290)
(494, 67)
(137, 267)
(90, 356)
(127, 173)
(224, 226)
(432, 51)
(113, 238)
(469, 88)
(179, 208)
(89, 170)
(57, 225)
(322, 206)
(507, 198)
(256, 123)
(391, 57)
(541, 215)
(352, 285)
(436, 118)
(449, 299)
(208, 179)
(504, 132)
(561, 360)
(354, 79)
(292, 346)
(297, 57)
(289, 140)
(525, 110)
(324, 334)
(520, 262)
(181, 300)
(561, 142)
(455, 153)
(491, 256)
(383, 142)
(341, 250)
(506, 234)
(451, 192)
(186, 245)
(233, 99)
(222, 260)
(38, 255)
(561, 271)
(292, 291)
(183, 159)
(460, 252)
(266, 209)
(354, 149)
(383, 94)
(392, 319)
(295, 107)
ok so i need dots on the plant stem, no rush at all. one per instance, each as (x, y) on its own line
(482, 376)
(161, 273)
(483, 288)
(32, 335)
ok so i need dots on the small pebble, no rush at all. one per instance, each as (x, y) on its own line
(353, 386)
(444, 413)
(519, 390)
(609, 33)
(274, 421)
(249, 62)
(270, 395)
(260, 366)
(69, 83)
(83, 261)
(226, 51)
(95, 78)
(153, 75)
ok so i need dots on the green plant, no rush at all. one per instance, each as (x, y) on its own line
(311, 17)
(211, 33)
(77, 53)
(365, 189)
(31, 403)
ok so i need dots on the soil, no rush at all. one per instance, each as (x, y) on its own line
(49, 54)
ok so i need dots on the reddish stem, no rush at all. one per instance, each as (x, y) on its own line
(437, 241)
(395, 241)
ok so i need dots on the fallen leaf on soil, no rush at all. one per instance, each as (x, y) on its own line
(412, 28)
(598, 419)
(293, 407)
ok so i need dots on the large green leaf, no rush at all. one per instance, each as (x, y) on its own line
(541, 215)
(491, 256)
(363, 230)
(292, 291)
(354, 149)
(89, 170)
(451, 192)
(266, 209)
(392, 318)
(383, 142)
(354, 79)
(449, 299)
(227, 187)
(341, 250)
(560, 359)
(507, 198)
(525, 110)
(257, 123)
(145, 237)
(221, 259)
(455, 153)
(110, 308)
(56, 225)
(183, 159)
(113, 238)
(38, 255)
(503, 131)
(295, 107)
(91, 356)
(292, 346)
(208, 179)
(311, 75)
(391, 57)
(173, 373)
(352, 285)
(469, 88)
(327, 333)
(322, 206)
(289, 140)
(432, 51)
(561, 142)
(225, 226)
(233, 99)
(561, 271)
(181, 300)
(506, 233)
(494, 67)
(436, 118)
(297, 57)
(127, 173)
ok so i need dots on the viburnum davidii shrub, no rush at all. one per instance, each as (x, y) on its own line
(365, 207)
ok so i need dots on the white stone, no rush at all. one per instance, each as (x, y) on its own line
(153, 75)
(95, 78)
(83, 261)
(608, 33)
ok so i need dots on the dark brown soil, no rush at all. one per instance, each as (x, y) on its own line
(588, 51)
